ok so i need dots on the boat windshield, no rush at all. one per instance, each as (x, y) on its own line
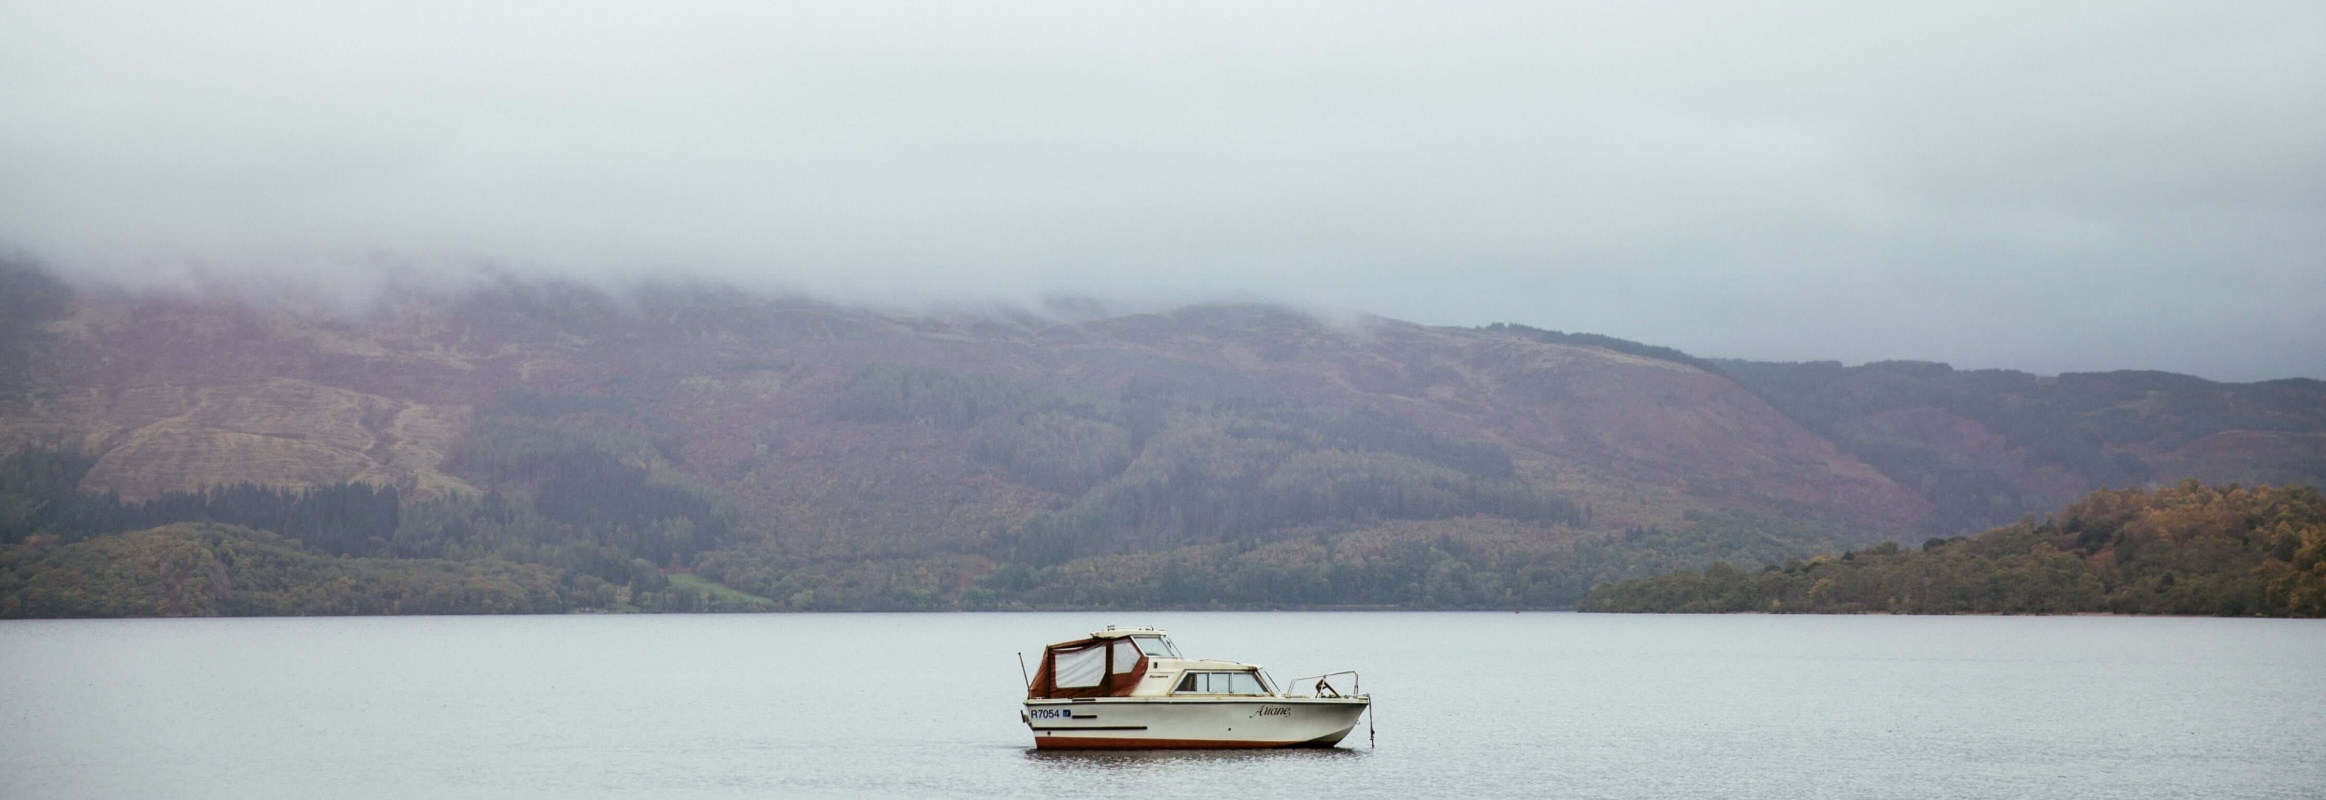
(1221, 683)
(1156, 647)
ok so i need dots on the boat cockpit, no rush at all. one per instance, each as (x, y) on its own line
(1125, 662)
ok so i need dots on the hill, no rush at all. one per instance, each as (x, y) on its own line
(1985, 447)
(2184, 549)
(839, 458)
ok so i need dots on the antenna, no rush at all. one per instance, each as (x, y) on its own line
(1029, 679)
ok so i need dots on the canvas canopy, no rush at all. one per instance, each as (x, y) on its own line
(1080, 667)
(1093, 667)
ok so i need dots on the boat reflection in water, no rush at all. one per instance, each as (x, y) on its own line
(1129, 688)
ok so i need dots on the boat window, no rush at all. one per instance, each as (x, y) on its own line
(1156, 646)
(1221, 683)
(1244, 683)
(1078, 668)
(1126, 657)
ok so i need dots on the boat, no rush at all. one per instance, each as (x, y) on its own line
(1130, 688)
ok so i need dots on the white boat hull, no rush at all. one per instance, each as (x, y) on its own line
(1130, 723)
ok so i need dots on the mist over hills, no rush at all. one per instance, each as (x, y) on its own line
(696, 447)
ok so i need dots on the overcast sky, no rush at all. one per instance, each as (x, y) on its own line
(2047, 186)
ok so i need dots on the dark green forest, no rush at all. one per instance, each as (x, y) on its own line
(1471, 563)
(576, 530)
(2187, 549)
(208, 569)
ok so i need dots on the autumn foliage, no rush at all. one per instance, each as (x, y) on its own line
(2183, 549)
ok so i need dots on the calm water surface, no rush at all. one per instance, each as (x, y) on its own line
(924, 705)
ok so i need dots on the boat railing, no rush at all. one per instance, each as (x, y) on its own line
(1322, 686)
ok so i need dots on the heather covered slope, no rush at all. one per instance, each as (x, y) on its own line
(829, 457)
(791, 404)
(1985, 447)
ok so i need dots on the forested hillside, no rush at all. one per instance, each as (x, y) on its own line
(1985, 447)
(700, 448)
(199, 570)
(348, 548)
(2184, 549)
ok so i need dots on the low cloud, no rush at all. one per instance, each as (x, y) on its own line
(2066, 187)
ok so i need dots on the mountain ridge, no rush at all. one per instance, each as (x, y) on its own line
(960, 448)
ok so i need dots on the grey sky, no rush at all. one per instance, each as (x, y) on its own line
(2047, 186)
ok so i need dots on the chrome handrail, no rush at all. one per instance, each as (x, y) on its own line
(1356, 685)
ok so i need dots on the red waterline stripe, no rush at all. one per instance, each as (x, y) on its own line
(1114, 743)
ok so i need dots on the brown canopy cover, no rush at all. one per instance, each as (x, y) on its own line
(1124, 665)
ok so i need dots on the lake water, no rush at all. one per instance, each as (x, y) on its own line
(925, 705)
